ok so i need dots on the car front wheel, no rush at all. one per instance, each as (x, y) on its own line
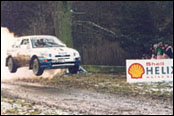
(37, 70)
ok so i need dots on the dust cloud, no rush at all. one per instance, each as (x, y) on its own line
(7, 39)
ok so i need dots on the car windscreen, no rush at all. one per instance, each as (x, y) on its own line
(45, 42)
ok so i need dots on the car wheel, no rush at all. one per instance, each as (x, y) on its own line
(74, 69)
(11, 65)
(37, 70)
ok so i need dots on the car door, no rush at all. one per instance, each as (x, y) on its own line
(23, 53)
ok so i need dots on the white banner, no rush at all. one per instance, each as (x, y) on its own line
(149, 70)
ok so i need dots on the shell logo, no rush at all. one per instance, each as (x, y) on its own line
(136, 71)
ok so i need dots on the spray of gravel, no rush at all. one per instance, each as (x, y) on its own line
(7, 39)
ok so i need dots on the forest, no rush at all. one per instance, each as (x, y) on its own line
(104, 32)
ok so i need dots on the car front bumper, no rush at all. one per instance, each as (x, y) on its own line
(54, 65)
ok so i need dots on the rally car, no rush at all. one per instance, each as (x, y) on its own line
(42, 52)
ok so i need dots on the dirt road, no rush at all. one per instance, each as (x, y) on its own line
(85, 101)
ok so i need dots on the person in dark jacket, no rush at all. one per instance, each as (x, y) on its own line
(168, 50)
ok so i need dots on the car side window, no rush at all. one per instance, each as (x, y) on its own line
(25, 42)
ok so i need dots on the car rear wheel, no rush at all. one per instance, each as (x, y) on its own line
(37, 70)
(74, 69)
(11, 65)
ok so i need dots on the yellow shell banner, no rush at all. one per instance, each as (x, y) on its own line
(136, 70)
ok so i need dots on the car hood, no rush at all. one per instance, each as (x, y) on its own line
(57, 51)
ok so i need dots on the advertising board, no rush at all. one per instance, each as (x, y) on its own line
(149, 70)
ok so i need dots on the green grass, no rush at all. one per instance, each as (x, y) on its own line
(104, 69)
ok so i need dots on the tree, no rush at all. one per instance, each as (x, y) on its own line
(105, 32)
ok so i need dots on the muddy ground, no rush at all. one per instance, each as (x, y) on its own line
(92, 94)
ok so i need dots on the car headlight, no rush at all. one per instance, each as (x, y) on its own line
(76, 54)
(50, 55)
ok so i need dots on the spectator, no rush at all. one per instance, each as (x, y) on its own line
(168, 51)
(153, 56)
(159, 51)
(153, 51)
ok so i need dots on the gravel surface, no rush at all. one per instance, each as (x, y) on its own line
(85, 101)
(13, 106)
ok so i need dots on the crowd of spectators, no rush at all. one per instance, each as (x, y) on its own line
(160, 51)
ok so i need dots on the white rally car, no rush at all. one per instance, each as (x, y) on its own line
(42, 52)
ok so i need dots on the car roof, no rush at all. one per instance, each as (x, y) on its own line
(37, 36)
(29, 37)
